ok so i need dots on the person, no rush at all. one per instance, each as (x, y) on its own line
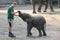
(11, 18)
(51, 6)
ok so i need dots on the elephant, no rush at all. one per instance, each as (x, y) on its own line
(38, 22)
(34, 3)
(41, 2)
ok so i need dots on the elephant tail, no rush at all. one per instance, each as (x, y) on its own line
(45, 26)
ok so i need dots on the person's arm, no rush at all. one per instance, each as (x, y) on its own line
(14, 12)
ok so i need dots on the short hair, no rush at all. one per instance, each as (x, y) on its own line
(14, 3)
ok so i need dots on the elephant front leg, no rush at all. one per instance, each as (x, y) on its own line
(29, 27)
(33, 1)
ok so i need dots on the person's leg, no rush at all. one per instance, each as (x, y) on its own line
(10, 28)
(40, 5)
(51, 6)
(46, 5)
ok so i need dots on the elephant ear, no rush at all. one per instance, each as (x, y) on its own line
(26, 15)
(28, 20)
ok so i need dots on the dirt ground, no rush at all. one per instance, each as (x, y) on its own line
(19, 28)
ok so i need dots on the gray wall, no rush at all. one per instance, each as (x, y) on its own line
(3, 1)
(10, 1)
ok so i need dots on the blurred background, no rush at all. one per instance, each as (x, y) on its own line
(22, 2)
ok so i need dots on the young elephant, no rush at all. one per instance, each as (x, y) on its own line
(33, 21)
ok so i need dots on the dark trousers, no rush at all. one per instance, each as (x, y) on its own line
(49, 2)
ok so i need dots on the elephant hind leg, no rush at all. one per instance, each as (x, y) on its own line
(39, 30)
(43, 30)
(44, 33)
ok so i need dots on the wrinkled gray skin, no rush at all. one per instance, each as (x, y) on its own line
(33, 21)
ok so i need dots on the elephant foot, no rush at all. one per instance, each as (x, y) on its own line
(39, 11)
(44, 11)
(40, 35)
(34, 11)
(29, 35)
(44, 35)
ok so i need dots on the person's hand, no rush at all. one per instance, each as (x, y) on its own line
(16, 12)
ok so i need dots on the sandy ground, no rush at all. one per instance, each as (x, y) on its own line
(19, 28)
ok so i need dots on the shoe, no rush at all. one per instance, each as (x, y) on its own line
(11, 35)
